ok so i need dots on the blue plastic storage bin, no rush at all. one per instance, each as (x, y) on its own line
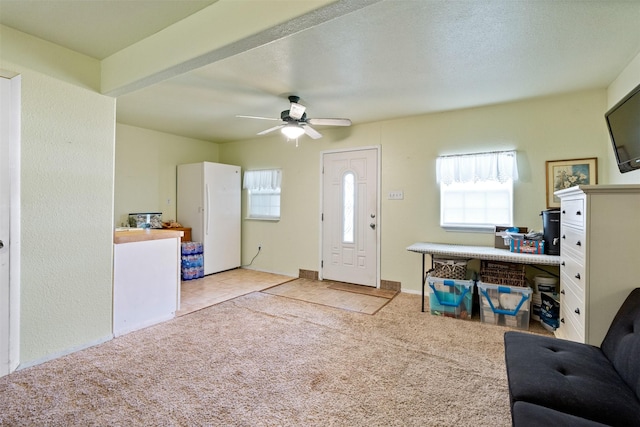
(451, 298)
(505, 305)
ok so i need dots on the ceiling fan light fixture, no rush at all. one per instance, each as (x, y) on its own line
(292, 131)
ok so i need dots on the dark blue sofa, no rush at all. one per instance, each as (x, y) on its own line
(554, 382)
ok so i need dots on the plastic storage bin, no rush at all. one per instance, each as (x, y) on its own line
(505, 305)
(451, 298)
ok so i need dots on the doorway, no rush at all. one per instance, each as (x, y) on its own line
(350, 216)
(9, 223)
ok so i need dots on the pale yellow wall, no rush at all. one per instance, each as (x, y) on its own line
(628, 79)
(145, 177)
(67, 150)
(67, 156)
(560, 127)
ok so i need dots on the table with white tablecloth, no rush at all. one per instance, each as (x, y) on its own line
(477, 252)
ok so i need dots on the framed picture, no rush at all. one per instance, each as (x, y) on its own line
(563, 174)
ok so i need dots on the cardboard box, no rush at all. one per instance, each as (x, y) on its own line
(527, 246)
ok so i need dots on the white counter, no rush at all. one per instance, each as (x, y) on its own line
(146, 278)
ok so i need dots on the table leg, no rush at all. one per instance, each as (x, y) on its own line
(424, 278)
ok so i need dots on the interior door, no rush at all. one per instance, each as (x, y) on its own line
(350, 216)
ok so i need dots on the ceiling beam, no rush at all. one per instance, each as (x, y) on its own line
(224, 29)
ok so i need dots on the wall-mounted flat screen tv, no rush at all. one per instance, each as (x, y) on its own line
(623, 121)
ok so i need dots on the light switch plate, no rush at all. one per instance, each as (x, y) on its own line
(396, 195)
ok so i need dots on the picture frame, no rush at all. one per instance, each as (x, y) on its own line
(563, 174)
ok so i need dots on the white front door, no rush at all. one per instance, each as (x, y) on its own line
(9, 167)
(350, 216)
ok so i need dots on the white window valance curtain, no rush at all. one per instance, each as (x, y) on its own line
(494, 166)
(268, 179)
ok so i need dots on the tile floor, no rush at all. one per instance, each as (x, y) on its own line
(362, 299)
(215, 288)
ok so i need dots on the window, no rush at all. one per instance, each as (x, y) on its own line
(476, 190)
(263, 193)
(348, 206)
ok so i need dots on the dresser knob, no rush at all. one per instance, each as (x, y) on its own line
(577, 275)
(562, 320)
(577, 311)
(563, 264)
(578, 213)
(563, 212)
(564, 237)
(562, 292)
(578, 243)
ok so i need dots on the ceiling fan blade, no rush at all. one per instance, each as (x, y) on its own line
(296, 110)
(271, 129)
(329, 122)
(312, 132)
(257, 117)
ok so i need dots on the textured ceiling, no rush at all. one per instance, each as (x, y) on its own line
(388, 59)
(96, 28)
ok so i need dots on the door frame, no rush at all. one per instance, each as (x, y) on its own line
(13, 151)
(378, 149)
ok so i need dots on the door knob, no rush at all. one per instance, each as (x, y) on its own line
(373, 226)
(1, 244)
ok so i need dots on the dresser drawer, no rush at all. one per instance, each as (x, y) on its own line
(572, 312)
(569, 329)
(572, 212)
(572, 297)
(574, 240)
(573, 273)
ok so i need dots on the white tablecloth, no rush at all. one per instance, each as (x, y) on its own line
(483, 252)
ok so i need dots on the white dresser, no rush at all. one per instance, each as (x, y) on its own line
(599, 257)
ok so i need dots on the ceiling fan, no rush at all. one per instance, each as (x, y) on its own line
(294, 121)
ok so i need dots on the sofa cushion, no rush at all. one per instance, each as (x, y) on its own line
(569, 377)
(621, 345)
(526, 414)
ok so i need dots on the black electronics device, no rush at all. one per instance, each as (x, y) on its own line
(623, 121)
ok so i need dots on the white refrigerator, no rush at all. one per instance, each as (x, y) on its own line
(208, 201)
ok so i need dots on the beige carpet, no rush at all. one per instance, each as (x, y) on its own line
(264, 360)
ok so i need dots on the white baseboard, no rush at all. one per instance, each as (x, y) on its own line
(64, 352)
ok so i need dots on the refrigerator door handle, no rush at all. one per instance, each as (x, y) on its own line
(206, 213)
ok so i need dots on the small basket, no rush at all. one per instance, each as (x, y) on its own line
(503, 273)
(449, 268)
